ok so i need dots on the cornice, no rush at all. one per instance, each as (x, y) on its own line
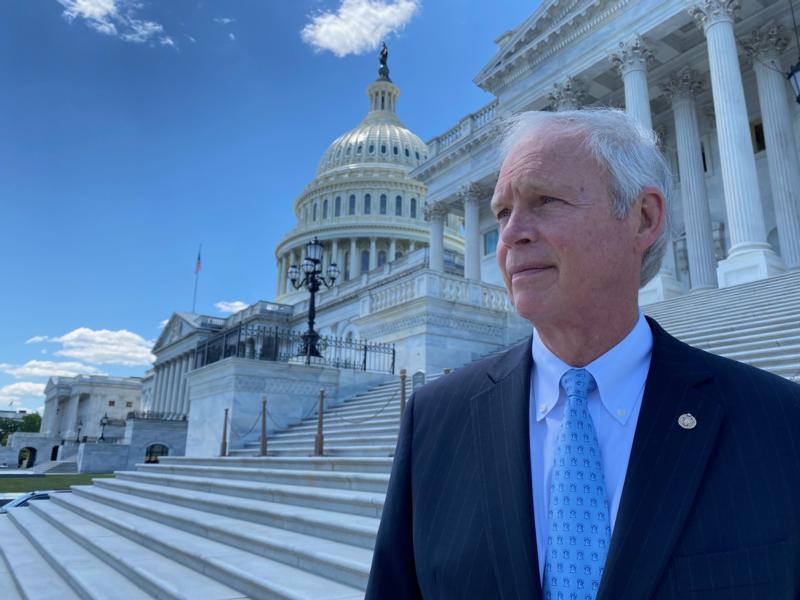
(453, 153)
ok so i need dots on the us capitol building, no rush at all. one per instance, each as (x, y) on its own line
(409, 226)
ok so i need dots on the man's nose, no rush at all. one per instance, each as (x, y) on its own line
(519, 229)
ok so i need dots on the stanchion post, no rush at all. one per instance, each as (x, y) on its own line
(263, 446)
(402, 392)
(319, 439)
(223, 447)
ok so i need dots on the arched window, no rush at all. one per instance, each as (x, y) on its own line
(349, 147)
(338, 207)
(325, 208)
(154, 452)
(372, 148)
(413, 209)
(396, 151)
(314, 212)
(367, 204)
(408, 154)
(381, 258)
(383, 149)
(352, 207)
(398, 206)
(360, 148)
(364, 261)
(383, 204)
(416, 154)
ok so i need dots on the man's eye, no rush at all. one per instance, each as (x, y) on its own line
(503, 213)
(548, 199)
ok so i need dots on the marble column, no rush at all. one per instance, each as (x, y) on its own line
(187, 366)
(355, 262)
(750, 257)
(765, 48)
(436, 216)
(175, 399)
(168, 388)
(69, 422)
(681, 89)
(631, 61)
(373, 253)
(157, 387)
(567, 95)
(392, 250)
(471, 195)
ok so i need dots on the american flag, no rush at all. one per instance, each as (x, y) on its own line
(199, 264)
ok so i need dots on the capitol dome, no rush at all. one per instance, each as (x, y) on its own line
(362, 204)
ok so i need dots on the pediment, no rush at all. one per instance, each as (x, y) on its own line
(176, 328)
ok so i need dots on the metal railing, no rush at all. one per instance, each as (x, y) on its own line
(259, 342)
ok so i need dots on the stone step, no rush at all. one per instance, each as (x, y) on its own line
(358, 415)
(251, 575)
(365, 482)
(782, 352)
(33, 576)
(361, 450)
(8, 590)
(353, 464)
(350, 529)
(334, 424)
(733, 327)
(364, 431)
(81, 569)
(755, 339)
(341, 562)
(722, 315)
(369, 504)
(307, 441)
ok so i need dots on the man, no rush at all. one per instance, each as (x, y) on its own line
(602, 458)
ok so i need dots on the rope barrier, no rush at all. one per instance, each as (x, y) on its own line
(240, 435)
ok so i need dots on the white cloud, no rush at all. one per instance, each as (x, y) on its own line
(232, 37)
(163, 324)
(231, 307)
(13, 394)
(104, 347)
(37, 339)
(191, 39)
(358, 26)
(224, 20)
(116, 18)
(49, 368)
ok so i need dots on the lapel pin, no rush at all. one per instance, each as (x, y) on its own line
(687, 421)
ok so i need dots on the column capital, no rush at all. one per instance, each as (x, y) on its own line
(435, 212)
(709, 12)
(633, 55)
(682, 85)
(473, 192)
(570, 94)
(765, 43)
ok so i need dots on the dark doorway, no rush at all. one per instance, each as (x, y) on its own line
(154, 452)
(27, 458)
(54, 453)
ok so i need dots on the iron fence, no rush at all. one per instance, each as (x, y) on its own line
(259, 342)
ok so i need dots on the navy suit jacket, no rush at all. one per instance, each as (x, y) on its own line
(709, 512)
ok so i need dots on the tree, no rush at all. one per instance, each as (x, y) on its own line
(8, 426)
(31, 423)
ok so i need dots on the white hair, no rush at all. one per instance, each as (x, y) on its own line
(619, 144)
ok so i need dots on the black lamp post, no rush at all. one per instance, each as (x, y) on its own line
(103, 423)
(312, 279)
(794, 73)
(78, 436)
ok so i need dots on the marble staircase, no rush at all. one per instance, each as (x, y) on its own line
(291, 525)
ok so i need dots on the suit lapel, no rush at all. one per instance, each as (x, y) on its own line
(665, 469)
(500, 423)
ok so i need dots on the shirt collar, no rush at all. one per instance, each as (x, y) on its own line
(615, 373)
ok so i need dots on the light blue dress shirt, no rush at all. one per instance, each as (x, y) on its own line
(620, 374)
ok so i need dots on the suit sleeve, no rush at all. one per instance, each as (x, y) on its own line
(393, 573)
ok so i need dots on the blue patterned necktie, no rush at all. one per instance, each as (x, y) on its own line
(577, 542)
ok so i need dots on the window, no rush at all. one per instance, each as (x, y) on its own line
(338, 207)
(413, 209)
(372, 148)
(396, 151)
(367, 204)
(325, 208)
(383, 204)
(112, 402)
(381, 258)
(359, 149)
(129, 404)
(757, 133)
(490, 242)
(352, 207)
(398, 206)
(407, 153)
(416, 154)
(364, 261)
(383, 149)
(314, 212)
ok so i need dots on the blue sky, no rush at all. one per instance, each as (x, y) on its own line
(133, 130)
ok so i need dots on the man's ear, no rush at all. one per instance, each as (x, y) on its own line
(651, 208)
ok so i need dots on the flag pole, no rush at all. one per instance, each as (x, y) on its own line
(197, 266)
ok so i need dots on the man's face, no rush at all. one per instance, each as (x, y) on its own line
(564, 257)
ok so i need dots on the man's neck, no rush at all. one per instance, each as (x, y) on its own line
(578, 344)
